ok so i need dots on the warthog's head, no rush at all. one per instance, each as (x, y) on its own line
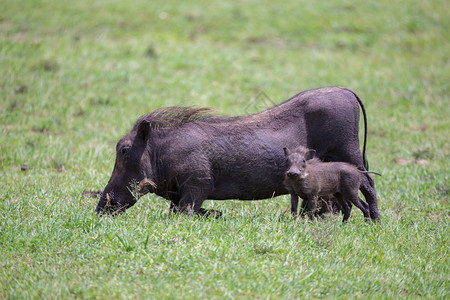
(297, 161)
(132, 175)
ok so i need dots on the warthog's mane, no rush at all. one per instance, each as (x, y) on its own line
(174, 116)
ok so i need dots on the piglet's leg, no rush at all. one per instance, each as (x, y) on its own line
(312, 205)
(364, 208)
(304, 207)
(294, 204)
(346, 208)
(364, 203)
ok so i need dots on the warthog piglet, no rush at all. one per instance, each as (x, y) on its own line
(310, 178)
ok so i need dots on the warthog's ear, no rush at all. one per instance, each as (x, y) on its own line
(310, 154)
(286, 151)
(144, 130)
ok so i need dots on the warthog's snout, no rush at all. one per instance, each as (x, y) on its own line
(108, 205)
(115, 202)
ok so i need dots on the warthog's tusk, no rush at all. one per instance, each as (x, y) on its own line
(143, 186)
(108, 200)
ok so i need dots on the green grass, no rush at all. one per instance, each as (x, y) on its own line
(76, 75)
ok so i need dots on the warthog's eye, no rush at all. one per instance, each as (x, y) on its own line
(124, 149)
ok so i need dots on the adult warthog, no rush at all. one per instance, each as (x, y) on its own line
(188, 155)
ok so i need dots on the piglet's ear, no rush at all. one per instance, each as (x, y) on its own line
(310, 154)
(144, 130)
(286, 151)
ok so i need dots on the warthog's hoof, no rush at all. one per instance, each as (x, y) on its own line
(210, 213)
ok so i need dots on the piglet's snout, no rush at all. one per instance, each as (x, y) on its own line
(293, 173)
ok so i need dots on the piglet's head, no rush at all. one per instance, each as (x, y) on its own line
(296, 161)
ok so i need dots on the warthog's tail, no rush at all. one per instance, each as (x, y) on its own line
(365, 162)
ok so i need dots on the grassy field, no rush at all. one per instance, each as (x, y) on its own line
(75, 75)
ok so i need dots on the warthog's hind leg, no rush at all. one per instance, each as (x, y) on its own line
(368, 189)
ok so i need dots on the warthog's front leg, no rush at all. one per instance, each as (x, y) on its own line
(192, 198)
(175, 208)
